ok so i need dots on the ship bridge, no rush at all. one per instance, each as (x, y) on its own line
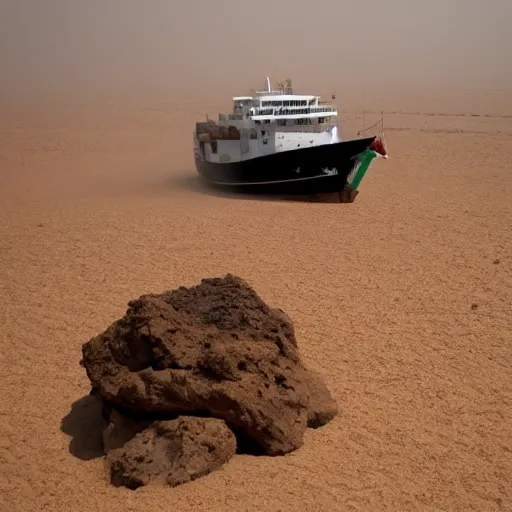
(281, 105)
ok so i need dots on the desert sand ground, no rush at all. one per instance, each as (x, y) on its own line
(402, 300)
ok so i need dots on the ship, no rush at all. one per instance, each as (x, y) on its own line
(277, 142)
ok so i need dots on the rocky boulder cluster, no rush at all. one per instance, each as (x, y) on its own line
(191, 376)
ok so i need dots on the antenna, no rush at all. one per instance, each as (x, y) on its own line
(364, 112)
(268, 85)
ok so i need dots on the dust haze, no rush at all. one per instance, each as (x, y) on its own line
(67, 47)
(401, 301)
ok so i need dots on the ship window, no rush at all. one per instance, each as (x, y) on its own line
(213, 145)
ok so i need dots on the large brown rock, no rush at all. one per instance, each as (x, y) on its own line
(174, 452)
(216, 350)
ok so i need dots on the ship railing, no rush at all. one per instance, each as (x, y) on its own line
(233, 117)
(323, 109)
(290, 111)
(279, 92)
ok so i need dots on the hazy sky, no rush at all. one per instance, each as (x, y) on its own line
(70, 45)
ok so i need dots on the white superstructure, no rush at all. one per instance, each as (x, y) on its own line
(267, 122)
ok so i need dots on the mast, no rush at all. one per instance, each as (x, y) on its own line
(268, 85)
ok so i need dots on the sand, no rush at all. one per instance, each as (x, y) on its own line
(402, 300)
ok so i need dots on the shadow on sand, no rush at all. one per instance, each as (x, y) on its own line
(197, 185)
(85, 424)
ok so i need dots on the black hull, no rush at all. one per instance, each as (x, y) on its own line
(315, 170)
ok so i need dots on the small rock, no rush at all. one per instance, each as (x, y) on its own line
(322, 407)
(175, 452)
